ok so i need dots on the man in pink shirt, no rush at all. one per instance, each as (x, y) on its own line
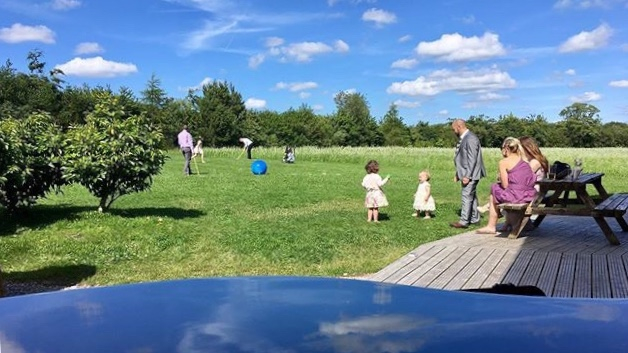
(186, 144)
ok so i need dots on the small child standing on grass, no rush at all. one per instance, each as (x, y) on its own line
(375, 197)
(423, 200)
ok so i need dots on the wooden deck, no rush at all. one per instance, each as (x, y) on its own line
(565, 257)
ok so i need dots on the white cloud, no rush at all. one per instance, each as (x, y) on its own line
(587, 40)
(443, 112)
(405, 38)
(18, 33)
(406, 104)
(256, 60)
(379, 17)
(492, 96)
(304, 95)
(486, 80)
(274, 42)
(570, 72)
(404, 64)
(96, 67)
(354, 2)
(586, 4)
(341, 47)
(296, 86)
(65, 4)
(318, 107)
(454, 47)
(88, 48)
(304, 51)
(204, 81)
(255, 103)
(620, 83)
(586, 97)
(468, 19)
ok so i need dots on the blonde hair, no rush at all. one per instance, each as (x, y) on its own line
(427, 174)
(513, 145)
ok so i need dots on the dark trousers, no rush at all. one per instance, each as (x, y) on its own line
(248, 151)
(187, 154)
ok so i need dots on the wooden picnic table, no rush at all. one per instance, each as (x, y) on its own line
(569, 197)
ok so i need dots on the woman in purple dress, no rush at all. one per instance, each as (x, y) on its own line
(515, 182)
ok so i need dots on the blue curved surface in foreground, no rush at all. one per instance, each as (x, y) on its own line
(302, 314)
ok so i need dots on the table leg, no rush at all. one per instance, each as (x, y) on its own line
(622, 223)
(608, 232)
(600, 189)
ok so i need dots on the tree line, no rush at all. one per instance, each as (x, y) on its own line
(216, 113)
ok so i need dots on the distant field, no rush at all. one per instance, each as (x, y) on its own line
(301, 219)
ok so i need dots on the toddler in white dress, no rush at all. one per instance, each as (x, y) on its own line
(423, 200)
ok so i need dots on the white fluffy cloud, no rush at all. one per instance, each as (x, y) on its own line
(587, 40)
(406, 104)
(570, 72)
(274, 42)
(65, 4)
(455, 47)
(404, 39)
(404, 64)
(379, 17)
(491, 96)
(586, 97)
(587, 4)
(255, 103)
(487, 80)
(256, 60)
(88, 48)
(341, 47)
(18, 33)
(296, 86)
(96, 67)
(620, 83)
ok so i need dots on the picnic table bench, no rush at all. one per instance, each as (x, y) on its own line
(554, 198)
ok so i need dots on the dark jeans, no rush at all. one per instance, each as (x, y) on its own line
(187, 154)
(248, 150)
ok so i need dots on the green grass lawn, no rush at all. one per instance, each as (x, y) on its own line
(301, 219)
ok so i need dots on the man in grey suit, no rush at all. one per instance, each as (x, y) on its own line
(469, 170)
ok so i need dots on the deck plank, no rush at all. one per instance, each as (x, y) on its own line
(564, 257)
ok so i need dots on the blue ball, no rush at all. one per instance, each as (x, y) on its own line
(259, 167)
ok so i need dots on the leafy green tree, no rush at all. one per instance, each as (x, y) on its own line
(583, 123)
(30, 161)
(114, 153)
(394, 131)
(353, 123)
(220, 118)
(22, 94)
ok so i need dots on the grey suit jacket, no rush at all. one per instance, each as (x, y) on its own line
(468, 158)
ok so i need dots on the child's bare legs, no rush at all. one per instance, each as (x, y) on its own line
(369, 214)
(376, 215)
(427, 215)
(202, 158)
(416, 213)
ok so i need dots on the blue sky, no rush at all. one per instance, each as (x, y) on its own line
(434, 59)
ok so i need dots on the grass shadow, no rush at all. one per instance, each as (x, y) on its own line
(170, 212)
(46, 279)
(39, 216)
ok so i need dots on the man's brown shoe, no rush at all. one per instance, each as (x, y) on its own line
(458, 225)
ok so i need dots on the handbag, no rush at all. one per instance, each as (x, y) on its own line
(560, 169)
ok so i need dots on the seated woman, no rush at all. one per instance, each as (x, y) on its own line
(515, 185)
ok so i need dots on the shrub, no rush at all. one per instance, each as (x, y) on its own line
(114, 153)
(30, 160)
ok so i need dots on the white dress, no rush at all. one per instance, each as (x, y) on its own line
(375, 196)
(419, 199)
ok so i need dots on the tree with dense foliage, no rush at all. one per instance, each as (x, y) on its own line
(583, 124)
(114, 153)
(220, 118)
(30, 161)
(353, 122)
(394, 131)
